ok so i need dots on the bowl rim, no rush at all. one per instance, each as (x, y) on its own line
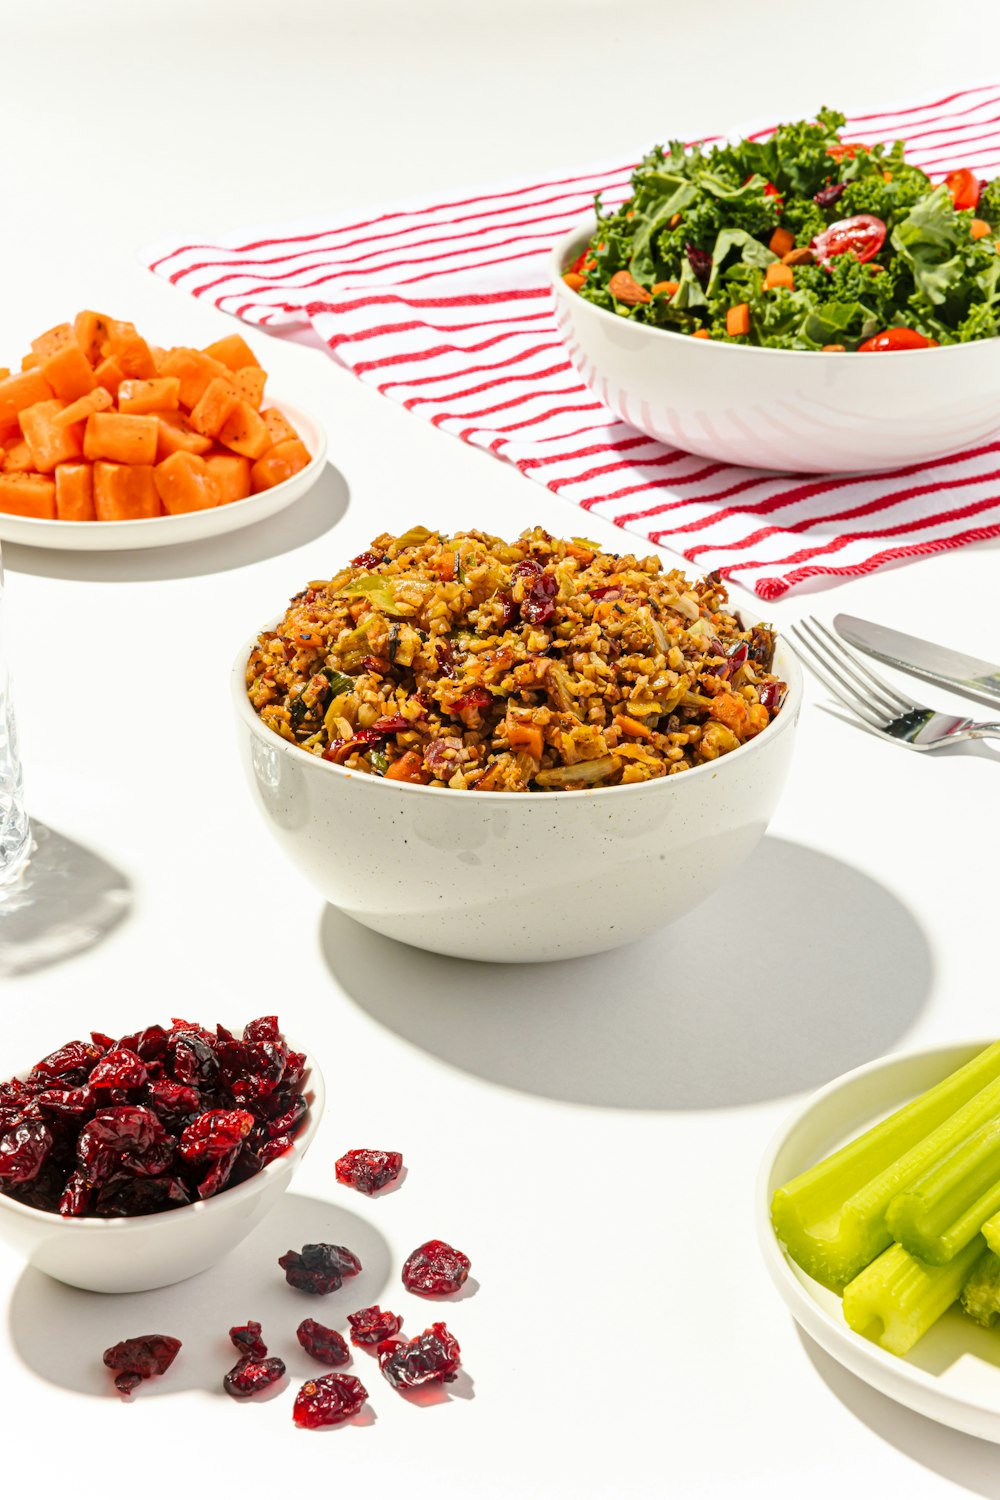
(560, 256)
(785, 720)
(281, 1165)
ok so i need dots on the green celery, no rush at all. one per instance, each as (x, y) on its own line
(981, 1293)
(831, 1218)
(898, 1298)
(991, 1229)
(939, 1214)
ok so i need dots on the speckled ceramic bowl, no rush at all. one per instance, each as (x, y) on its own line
(516, 877)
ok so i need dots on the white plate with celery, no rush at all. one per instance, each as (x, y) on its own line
(878, 1210)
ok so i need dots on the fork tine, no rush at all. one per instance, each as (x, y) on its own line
(885, 688)
(838, 656)
(845, 693)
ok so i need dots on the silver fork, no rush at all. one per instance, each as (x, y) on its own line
(876, 702)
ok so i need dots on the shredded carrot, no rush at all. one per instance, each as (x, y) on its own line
(781, 241)
(573, 281)
(778, 275)
(701, 333)
(738, 320)
(528, 735)
(632, 727)
(979, 228)
(668, 288)
(408, 767)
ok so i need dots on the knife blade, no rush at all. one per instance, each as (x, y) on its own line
(968, 675)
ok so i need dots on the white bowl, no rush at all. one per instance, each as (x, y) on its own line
(154, 1250)
(516, 877)
(952, 1374)
(783, 409)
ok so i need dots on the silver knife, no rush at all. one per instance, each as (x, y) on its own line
(967, 675)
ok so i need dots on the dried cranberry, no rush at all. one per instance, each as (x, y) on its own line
(372, 1326)
(770, 693)
(274, 1148)
(528, 567)
(169, 1098)
(367, 560)
(508, 608)
(293, 1111)
(150, 1044)
(102, 1041)
(194, 1062)
(700, 262)
(137, 1359)
(611, 592)
(218, 1174)
(319, 1268)
(127, 1133)
(369, 1170)
(324, 1344)
(76, 1195)
(123, 1196)
(215, 1133)
(248, 1376)
(390, 724)
(295, 1069)
(537, 606)
(72, 1062)
(435, 1269)
(24, 1150)
(329, 1400)
(432, 1355)
(476, 697)
(119, 1069)
(247, 1340)
(69, 1104)
(828, 196)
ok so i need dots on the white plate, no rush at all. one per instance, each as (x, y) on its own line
(165, 531)
(953, 1373)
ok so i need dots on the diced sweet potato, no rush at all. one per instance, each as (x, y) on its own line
(124, 492)
(277, 425)
(78, 411)
(67, 370)
(28, 495)
(75, 492)
(278, 464)
(245, 432)
(217, 402)
(232, 475)
(233, 351)
(250, 382)
(19, 391)
(195, 370)
(30, 362)
(4, 373)
(110, 375)
(139, 396)
(184, 483)
(130, 350)
(49, 342)
(121, 439)
(17, 457)
(176, 435)
(91, 330)
(50, 444)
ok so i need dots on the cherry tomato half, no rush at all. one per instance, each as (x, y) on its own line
(845, 148)
(964, 187)
(576, 269)
(770, 191)
(896, 338)
(863, 235)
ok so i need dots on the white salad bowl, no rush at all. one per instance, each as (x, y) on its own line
(516, 877)
(784, 409)
(154, 1250)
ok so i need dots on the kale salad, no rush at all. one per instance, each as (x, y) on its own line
(800, 241)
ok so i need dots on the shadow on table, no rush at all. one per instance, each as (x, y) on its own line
(65, 899)
(316, 513)
(799, 968)
(967, 1461)
(61, 1333)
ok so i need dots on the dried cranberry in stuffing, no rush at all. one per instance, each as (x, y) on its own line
(372, 1326)
(369, 1170)
(247, 1340)
(770, 693)
(367, 560)
(432, 1355)
(248, 1376)
(23, 1151)
(328, 1400)
(324, 1344)
(390, 724)
(215, 1133)
(319, 1268)
(526, 568)
(537, 606)
(508, 607)
(476, 697)
(137, 1359)
(118, 1069)
(435, 1269)
(611, 592)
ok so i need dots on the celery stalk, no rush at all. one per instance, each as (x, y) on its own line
(831, 1218)
(991, 1230)
(981, 1293)
(939, 1214)
(897, 1298)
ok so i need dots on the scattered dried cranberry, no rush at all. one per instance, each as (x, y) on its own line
(248, 1376)
(369, 1170)
(137, 1359)
(372, 1326)
(432, 1355)
(324, 1344)
(319, 1268)
(329, 1400)
(247, 1340)
(435, 1269)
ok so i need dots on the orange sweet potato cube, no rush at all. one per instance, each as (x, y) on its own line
(29, 362)
(50, 444)
(91, 331)
(124, 492)
(278, 464)
(110, 375)
(67, 370)
(78, 411)
(232, 475)
(139, 396)
(130, 350)
(217, 402)
(184, 483)
(17, 457)
(49, 342)
(233, 351)
(175, 434)
(195, 370)
(120, 439)
(19, 391)
(75, 492)
(28, 495)
(245, 432)
(277, 425)
(250, 382)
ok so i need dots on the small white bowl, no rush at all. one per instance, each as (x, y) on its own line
(516, 877)
(787, 409)
(154, 1250)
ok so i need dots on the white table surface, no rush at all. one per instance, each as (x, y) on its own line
(588, 1133)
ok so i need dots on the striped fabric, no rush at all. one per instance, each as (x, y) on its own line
(444, 307)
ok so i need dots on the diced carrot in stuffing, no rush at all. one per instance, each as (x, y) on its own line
(17, 457)
(979, 229)
(250, 383)
(67, 370)
(75, 492)
(778, 275)
(232, 475)
(632, 728)
(91, 330)
(278, 464)
(110, 375)
(184, 483)
(277, 425)
(583, 555)
(28, 495)
(244, 431)
(136, 397)
(50, 444)
(130, 350)
(409, 767)
(120, 439)
(19, 391)
(738, 320)
(195, 370)
(781, 241)
(528, 735)
(445, 567)
(233, 351)
(730, 709)
(217, 402)
(51, 341)
(78, 411)
(125, 492)
(174, 434)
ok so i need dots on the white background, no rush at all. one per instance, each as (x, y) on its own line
(588, 1133)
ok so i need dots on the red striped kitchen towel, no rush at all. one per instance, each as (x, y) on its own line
(445, 308)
